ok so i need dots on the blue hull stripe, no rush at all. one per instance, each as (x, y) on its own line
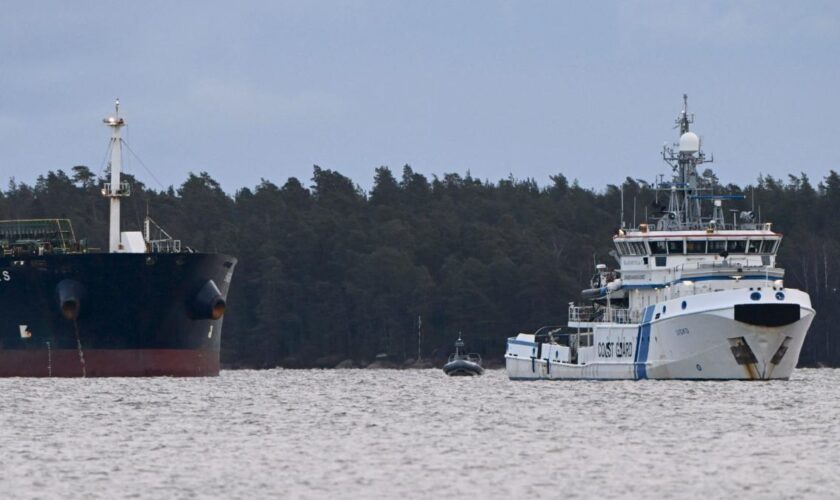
(521, 342)
(643, 344)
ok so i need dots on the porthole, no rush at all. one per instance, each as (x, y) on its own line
(780, 296)
(684, 305)
(664, 308)
(755, 296)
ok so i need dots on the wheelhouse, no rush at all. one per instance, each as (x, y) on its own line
(694, 245)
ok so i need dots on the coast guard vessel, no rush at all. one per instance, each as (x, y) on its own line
(695, 297)
(146, 307)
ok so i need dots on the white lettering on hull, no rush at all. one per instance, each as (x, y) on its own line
(615, 349)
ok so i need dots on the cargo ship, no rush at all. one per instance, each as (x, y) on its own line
(146, 307)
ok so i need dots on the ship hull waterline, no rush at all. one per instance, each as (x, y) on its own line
(110, 363)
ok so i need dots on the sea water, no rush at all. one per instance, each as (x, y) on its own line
(417, 434)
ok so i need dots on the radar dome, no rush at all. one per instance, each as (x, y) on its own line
(689, 143)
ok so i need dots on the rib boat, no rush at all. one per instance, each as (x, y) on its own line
(461, 363)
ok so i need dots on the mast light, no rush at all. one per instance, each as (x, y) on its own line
(115, 121)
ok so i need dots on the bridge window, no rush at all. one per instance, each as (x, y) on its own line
(717, 246)
(695, 246)
(640, 247)
(737, 246)
(766, 246)
(675, 247)
(657, 247)
(769, 246)
(754, 246)
(631, 248)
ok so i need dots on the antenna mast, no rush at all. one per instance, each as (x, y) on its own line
(684, 203)
(622, 205)
(684, 119)
(115, 189)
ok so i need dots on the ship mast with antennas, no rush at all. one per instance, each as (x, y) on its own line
(684, 203)
(115, 189)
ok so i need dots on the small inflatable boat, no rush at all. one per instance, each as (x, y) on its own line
(462, 364)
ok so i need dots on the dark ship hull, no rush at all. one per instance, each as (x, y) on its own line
(112, 314)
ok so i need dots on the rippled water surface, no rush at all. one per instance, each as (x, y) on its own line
(418, 434)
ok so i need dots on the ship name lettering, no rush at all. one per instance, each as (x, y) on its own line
(682, 331)
(6, 276)
(615, 349)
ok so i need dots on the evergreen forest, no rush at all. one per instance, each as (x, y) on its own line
(328, 272)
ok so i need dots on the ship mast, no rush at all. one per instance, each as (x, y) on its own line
(684, 120)
(684, 204)
(115, 189)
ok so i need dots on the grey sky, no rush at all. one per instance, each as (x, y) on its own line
(246, 90)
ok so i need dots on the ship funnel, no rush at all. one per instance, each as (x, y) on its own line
(70, 295)
(208, 302)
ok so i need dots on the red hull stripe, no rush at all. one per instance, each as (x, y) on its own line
(110, 363)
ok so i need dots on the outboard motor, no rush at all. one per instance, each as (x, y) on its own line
(208, 303)
(70, 295)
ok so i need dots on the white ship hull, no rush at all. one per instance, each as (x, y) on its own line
(701, 341)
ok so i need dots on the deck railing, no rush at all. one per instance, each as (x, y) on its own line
(124, 189)
(589, 314)
(165, 246)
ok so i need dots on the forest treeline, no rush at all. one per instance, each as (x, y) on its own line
(328, 272)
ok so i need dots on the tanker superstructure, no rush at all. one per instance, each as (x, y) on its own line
(694, 297)
(146, 307)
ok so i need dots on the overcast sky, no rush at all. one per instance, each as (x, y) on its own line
(266, 89)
